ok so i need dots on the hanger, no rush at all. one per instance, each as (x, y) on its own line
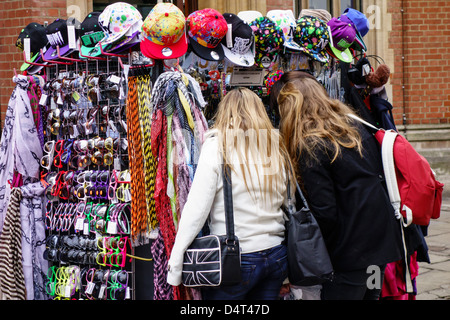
(89, 57)
(54, 62)
(111, 54)
(67, 58)
(34, 63)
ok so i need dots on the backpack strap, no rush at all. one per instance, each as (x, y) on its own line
(387, 155)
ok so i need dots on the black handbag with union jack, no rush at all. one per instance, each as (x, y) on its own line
(215, 260)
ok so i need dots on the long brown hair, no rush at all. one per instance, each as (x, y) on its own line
(310, 119)
(246, 131)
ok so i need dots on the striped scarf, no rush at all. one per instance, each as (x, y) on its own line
(144, 85)
(12, 279)
(138, 201)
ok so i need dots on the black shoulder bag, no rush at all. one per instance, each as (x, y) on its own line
(308, 260)
(215, 260)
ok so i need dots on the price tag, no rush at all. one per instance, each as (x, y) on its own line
(71, 36)
(43, 100)
(230, 36)
(112, 227)
(26, 46)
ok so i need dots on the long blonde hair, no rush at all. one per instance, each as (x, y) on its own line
(246, 131)
(310, 119)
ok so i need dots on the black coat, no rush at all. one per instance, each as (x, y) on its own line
(349, 200)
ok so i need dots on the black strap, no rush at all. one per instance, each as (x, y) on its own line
(228, 200)
(305, 203)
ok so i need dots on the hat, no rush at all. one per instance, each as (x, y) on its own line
(359, 19)
(269, 39)
(286, 21)
(249, 16)
(58, 35)
(342, 37)
(238, 46)
(358, 44)
(129, 39)
(91, 33)
(117, 19)
(163, 32)
(312, 35)
(206, 29)
(322, 14)
(38, 40)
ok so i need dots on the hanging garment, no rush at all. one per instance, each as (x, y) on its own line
(12, 280)
(20, 148)
(33, 240)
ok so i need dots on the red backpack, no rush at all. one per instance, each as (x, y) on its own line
(415, 193)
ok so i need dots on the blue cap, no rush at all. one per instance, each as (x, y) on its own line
(359, 19)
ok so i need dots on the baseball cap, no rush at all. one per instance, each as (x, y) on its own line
(116, 20)
(269, 39)
(312, 35)
(238, 44)
(91, 33)
(322, 14)
(342, 36)
(358, 44)
(249, 16)
(359, 19)
(206, 29)
(163, 32)
(286, 21)
(58, 35)
(129, 39)
(38, 40)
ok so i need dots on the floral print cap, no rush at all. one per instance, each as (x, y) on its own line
(117, 19)
(269, 40)
(313, 35)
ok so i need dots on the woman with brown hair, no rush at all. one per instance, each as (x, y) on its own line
(243, 139)
(339, 166)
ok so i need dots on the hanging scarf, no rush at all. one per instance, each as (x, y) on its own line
(12, 280)
(20, 148)
(161, 289)
(33, 240)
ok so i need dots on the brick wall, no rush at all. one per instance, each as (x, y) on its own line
(279, 5)
(424, 44)
(14, 16)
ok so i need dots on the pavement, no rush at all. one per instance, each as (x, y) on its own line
(433, 281)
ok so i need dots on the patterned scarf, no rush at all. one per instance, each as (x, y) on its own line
(12, 280)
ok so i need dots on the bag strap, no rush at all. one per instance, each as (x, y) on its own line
(228, 200)
(305, 203)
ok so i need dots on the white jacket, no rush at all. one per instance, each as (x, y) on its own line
(259, 223)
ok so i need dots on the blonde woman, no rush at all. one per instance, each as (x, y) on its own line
(243, 139)
(338, 164)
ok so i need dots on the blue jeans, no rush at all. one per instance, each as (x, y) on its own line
(263, 273)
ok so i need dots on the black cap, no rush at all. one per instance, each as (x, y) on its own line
(58, 35)
(37, 35)
(90, 30)
(240, 50)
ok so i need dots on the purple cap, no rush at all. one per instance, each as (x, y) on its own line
(342, 34)
(359, 42)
